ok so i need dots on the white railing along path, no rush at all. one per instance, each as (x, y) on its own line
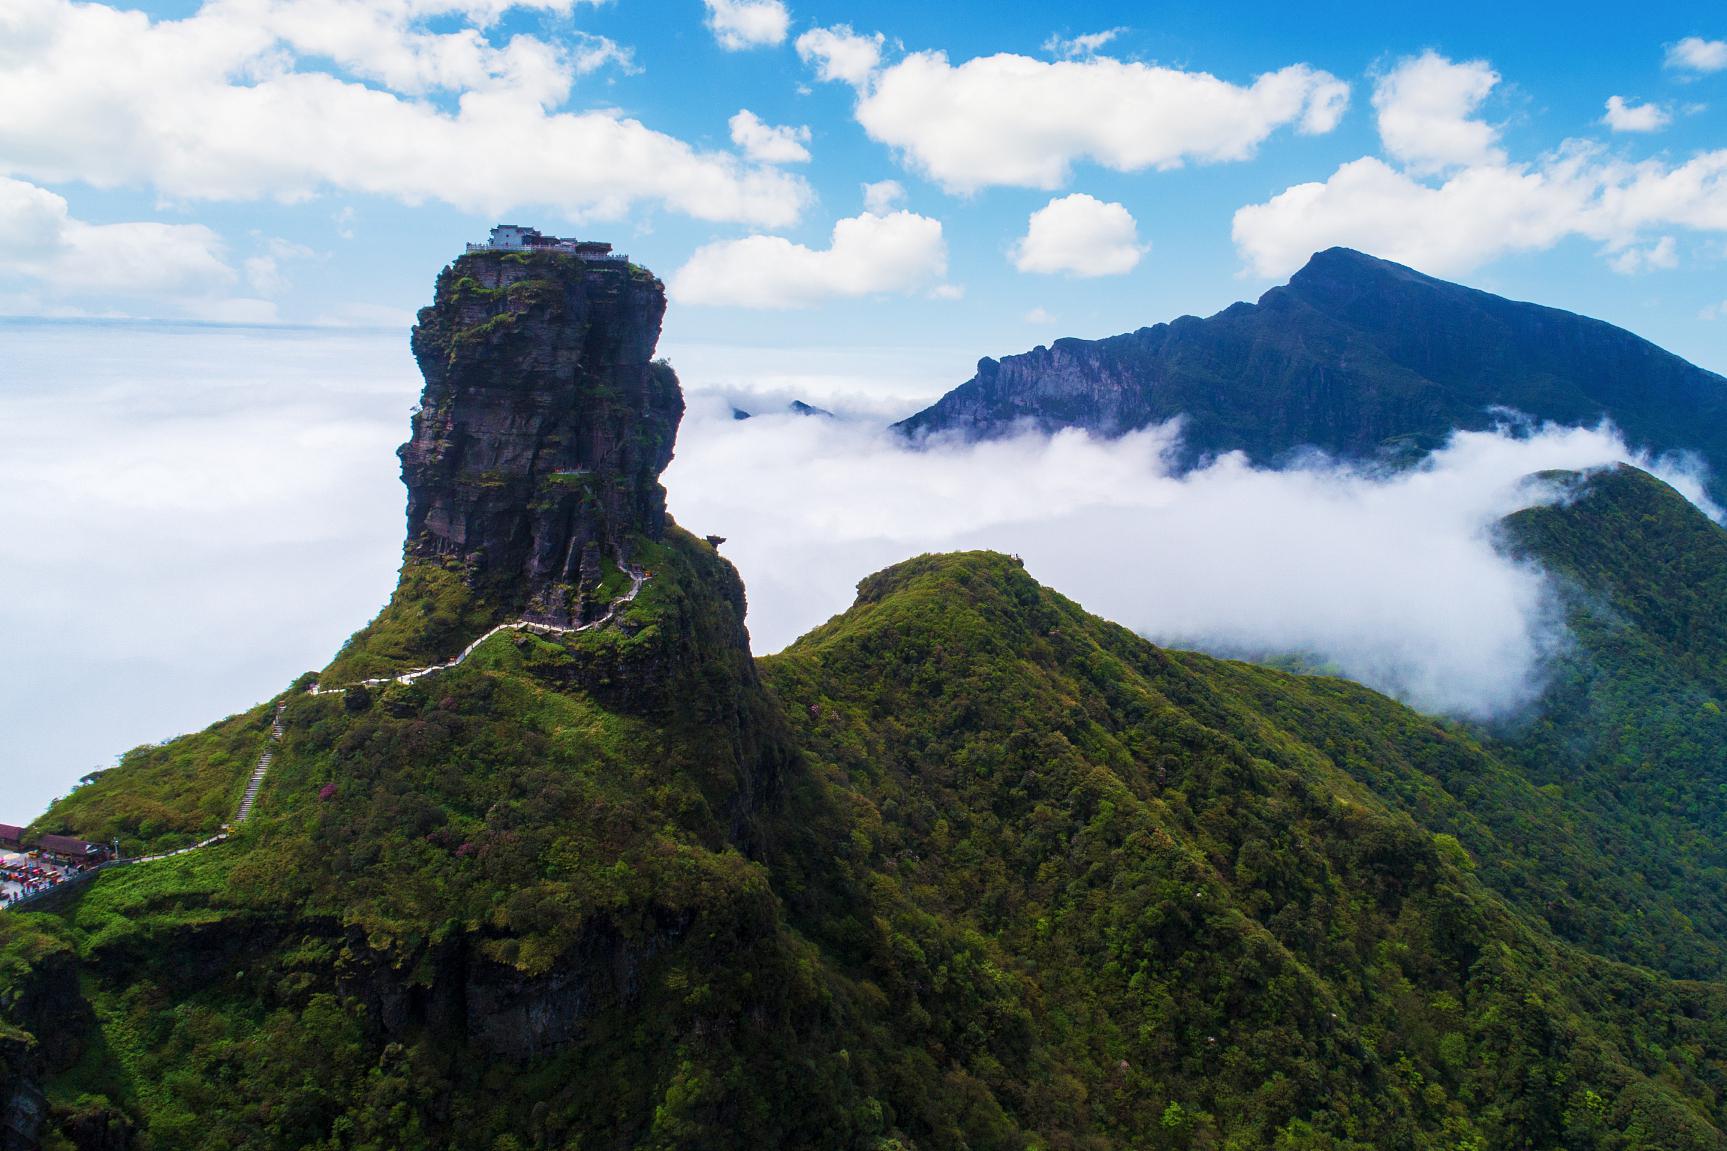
(637, 578)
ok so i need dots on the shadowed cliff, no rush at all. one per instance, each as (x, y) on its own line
(534, 461)
(544, 424)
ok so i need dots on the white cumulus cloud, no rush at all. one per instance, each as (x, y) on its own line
(1075, 47)
(1695, 54)
(58, 263)
(869, 255)
(838, 53)
(264, 271)
(1426, 107)
(769, 143)
(1444, 213)
(284, 99)
(1368, 204)
(883, 196)
(1015, 120)
(1079, 235)
(1481, 213)
(1662, 254)
(740, 24)
(1623, 117)
(388, 41)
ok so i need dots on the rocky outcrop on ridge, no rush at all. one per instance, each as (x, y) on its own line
(544, 425)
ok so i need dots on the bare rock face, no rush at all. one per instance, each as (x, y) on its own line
(544, 425)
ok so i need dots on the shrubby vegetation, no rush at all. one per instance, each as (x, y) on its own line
(1208, 897)
(432, 616)
(168, 795)
(963, 868)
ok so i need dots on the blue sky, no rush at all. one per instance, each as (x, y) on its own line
(247, 127)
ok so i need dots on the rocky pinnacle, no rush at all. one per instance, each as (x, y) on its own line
(544, 425)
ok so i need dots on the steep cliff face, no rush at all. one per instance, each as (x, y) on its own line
(1357, 356)
(533, 480)
(534, 460)
(544, 425)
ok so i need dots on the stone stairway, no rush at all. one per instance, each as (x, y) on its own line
(638, 576)
(258, 773)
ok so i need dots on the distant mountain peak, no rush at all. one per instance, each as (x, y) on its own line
(795, 408)
(1339, 256)
(1347, 265)
(1357, 356)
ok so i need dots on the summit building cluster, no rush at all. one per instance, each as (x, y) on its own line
(517, 238)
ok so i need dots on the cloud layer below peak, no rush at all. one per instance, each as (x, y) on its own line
(1394, 580)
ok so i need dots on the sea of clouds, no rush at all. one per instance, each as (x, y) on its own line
(190, 517)
(1392, 579)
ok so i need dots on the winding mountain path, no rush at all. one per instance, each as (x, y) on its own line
(638, 577)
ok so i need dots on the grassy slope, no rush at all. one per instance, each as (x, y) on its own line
(167, 795)
(431, 616)
(549, 818)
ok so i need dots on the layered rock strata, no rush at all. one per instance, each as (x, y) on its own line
(544, 425)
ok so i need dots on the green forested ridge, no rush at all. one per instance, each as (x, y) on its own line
(965, 867)
(1058, 785)
(1630, 733)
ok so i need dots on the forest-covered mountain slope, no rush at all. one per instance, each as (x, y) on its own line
(1191, 850)
(966, 867)
(1358, 357)
(1607, 812)
(1630, 732)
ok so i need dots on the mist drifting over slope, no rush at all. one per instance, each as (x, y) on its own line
(1390, 579)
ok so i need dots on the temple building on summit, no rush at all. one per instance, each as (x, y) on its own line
(517, 238)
